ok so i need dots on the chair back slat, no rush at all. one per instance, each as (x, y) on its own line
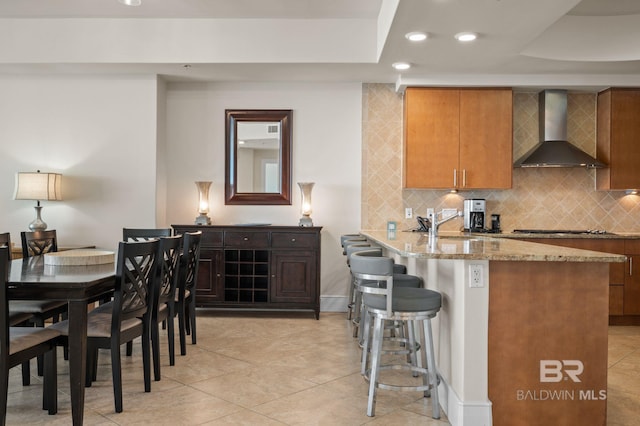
(38, 242)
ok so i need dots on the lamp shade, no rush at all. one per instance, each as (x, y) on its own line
(38, 186)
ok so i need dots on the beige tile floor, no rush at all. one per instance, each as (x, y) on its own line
(270, 370)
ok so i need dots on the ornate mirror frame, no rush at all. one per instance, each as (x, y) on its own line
(231, 193)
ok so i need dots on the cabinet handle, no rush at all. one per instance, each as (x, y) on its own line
(293, 240)
(246, 238)
(455, 178)
(630, 265)
(273, 276)
(464, 178)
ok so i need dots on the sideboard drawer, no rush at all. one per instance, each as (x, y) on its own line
(211, 239)
(293, 240)
(246, 239)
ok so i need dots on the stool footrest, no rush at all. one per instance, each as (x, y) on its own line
(403, 388)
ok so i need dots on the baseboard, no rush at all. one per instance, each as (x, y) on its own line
(467, 413)
(333, 303)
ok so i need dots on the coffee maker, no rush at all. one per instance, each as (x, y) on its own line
(474, 211)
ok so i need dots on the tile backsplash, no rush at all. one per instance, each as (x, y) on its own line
(553, 198)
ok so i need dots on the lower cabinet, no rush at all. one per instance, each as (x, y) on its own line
(258, 268)
(624, 278)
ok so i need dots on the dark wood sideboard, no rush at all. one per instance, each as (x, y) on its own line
(258, 267)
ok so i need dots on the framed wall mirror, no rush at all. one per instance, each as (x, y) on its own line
(258, 157)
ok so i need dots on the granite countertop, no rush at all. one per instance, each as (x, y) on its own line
(607, 236)
(455, 245)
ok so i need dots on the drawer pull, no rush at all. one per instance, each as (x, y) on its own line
(293, 240)
(246, 238)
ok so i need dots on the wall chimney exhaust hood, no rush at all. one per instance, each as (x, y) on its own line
(554, 150)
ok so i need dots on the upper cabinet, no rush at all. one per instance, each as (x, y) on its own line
(618, 139)
(458, 138)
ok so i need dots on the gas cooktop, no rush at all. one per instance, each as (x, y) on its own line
(560, 231)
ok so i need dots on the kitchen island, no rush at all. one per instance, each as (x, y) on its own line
(522, 334)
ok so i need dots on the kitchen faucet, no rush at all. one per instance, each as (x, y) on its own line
(434, 224)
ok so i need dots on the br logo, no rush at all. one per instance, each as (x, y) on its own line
(554, 370)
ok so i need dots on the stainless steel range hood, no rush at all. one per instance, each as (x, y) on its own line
(554, 150)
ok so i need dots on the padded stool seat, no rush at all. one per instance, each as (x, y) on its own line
(406, 299)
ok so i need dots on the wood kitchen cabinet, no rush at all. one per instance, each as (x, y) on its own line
(458, 138)
(624, 278)
(258, 268)
(618, 132)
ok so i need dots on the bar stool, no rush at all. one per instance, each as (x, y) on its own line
(401, 279)
(413, 306)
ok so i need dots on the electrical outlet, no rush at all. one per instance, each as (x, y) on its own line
(476, 275)
(408, 213)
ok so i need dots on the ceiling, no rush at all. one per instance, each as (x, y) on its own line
(587, 44)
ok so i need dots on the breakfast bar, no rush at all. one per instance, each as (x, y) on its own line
(522, 334)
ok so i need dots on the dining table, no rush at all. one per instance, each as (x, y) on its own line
(34, 279)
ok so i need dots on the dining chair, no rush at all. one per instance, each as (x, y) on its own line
(142, 234)
(169, 252)
(126, 317)
(20, 344)
(186, 295)
(34, 244)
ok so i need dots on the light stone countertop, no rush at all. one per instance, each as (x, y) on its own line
(455, 245)
(607, 236)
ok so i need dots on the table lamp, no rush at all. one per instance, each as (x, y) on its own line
(203, 203)
(305, 189)
(39, 187)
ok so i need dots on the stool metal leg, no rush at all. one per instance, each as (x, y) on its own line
(376, 347)
(366, 336)
(431, 365)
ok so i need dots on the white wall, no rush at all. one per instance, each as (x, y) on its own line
(100, 133)
(131, 147)
(326, 150)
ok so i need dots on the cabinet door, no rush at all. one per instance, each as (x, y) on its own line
(632, 278)
(486, 138)
(432, 123)
(210, 280)
(293, 276)
(618, 130)
(625, 133)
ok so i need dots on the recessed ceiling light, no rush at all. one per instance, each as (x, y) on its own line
(416, 36)
(401, 66)
(466, 36)
(131, 2)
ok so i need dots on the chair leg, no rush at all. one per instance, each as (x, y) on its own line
(146, 357)
(182, 329)
(116, 374)
(50, 392)
(155, 347)
(4, 390)
(171, 338)
(129, 348)
(26, 373)
(376, 349)
(192, 319)
(40, 323)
